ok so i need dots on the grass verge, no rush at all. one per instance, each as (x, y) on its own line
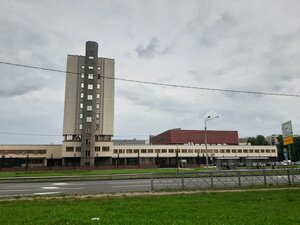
(254, 207)
(79, 172)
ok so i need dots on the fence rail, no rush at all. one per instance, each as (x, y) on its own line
(224, 179)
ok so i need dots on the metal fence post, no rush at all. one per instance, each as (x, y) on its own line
(182, 180)
(293, 174)
(265, 178)
(289, 177)
(239, 178)
(211, 180)
(152, 186)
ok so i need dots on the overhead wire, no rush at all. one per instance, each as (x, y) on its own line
(140, 82)
(158, 83)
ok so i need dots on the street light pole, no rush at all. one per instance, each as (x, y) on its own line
(205, 135)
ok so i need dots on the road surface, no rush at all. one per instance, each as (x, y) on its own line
(131, 185)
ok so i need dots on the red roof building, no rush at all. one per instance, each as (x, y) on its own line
(178, 136)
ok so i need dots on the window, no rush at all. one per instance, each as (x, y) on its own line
(78, 149)
(233, 150)
(268, 151)
(227, 150)
(97, 126)
(97, 116)
(69, 137)
(184, 151)
(90, 86)
(90, 76)
(69, 149)
(190, 151)
(97, 149)
(80, 126)
(82, 75)
(99, 76)
(150, 150)
(90, 97)
(115, 151)
(273, 150)
(98, 86)
(143, 151)
(98, 106)
(98, 95)
(91, 57)
(89, 108)
(91, 67)
(256, 151)
(245, 151)
(171, 150)
(240, 151)
(81, 105)
(128, 150)
(80, 116)
(81, 95)
(164, 151)
(89, 119)
(135, 151)
(82, 85)
(157, 150)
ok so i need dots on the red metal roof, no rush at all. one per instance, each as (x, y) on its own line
(178, 136)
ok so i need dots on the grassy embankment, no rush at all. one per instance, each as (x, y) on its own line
(268, 208)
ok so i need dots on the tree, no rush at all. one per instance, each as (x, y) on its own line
(258, 140)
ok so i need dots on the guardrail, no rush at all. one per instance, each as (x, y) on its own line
(224, 179)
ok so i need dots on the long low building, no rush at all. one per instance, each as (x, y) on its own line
(142, 155)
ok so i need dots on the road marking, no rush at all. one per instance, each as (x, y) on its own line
(60, 184)
(46, 193)
(48, 188)
(66, 188)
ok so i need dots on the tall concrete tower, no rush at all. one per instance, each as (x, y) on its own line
(89, 109)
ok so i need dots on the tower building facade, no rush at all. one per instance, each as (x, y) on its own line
(89, 109)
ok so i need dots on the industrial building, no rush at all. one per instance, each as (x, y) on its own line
(88, 129)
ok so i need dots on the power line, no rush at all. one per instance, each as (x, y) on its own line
(159, 84)
(31, 134)
(55, 135)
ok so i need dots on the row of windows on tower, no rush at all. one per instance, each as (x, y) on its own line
(90, 67)
(89, 97)
(90, 86)
(89, 107)
(89, 119)
(90, 76)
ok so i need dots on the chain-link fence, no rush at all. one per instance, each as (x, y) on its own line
(224, 179)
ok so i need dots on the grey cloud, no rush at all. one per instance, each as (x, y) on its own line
(15, 83)
(218, 30)
(148, 51)
(151, 49)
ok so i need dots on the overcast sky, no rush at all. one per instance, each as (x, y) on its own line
(234, 44)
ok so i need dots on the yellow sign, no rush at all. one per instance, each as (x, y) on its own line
(288, 140)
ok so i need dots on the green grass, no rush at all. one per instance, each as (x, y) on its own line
(78, 172)
(269, 207)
